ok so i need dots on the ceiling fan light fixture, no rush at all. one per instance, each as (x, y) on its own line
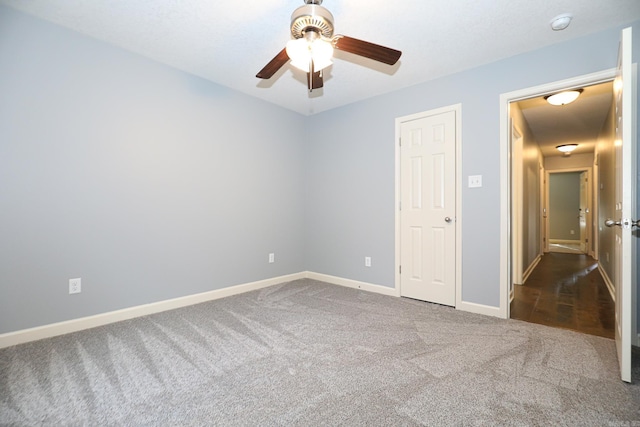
(566, 148)
(564, 97)
(312, 43)
(301, 51)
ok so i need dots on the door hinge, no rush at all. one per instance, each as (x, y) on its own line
(400, 269)
(400, 205)
(400, 142)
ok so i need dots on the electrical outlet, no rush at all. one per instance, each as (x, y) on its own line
(572, 231)
(367, 261)
(272, 258)
(75, 286)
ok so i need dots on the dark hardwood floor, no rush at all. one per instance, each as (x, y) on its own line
(566, 291)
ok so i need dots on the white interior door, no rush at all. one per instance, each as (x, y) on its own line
(427, 217)
(625, 203)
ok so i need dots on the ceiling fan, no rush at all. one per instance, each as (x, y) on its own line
(313, 43)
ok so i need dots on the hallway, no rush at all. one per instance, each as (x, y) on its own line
(566, 291)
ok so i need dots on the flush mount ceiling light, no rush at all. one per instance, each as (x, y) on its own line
(564, 97)
(567, 148)
(561, 22)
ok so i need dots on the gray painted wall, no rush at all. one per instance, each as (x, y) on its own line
(152, 184)
(564, 202)
(146, 182)
(350, 163)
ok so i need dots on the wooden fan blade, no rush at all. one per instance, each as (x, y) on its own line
(274, 65)
(366, 49)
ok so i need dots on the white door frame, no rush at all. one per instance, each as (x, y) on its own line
(517, 215)
(505, 166)
(457, 108)
(544, 210)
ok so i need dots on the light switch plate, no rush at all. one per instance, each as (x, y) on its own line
(475, 181)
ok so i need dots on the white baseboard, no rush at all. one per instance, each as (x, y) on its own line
(384, 290)
(74, 325)
(472, 307)
(608, 282)
(530, 269)
(462, 305)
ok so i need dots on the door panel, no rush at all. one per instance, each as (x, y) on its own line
(625, 188)
(427, 218)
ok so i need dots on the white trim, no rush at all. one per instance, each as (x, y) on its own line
(472, 307)
(608, 282)
(355, 284)
(458, 204)
(530, 269)
(517, 194)
(74, 325)
(505, 185)
(457, 108)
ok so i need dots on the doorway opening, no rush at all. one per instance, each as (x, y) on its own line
(568, 205)
(554, 273)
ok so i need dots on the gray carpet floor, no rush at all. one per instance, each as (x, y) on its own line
(308, 353)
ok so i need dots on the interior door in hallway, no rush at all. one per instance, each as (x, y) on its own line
(427, 217)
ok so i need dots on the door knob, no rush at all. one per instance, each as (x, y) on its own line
(627, 223)
(447, 219)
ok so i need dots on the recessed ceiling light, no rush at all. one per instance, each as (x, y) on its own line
(561, 22)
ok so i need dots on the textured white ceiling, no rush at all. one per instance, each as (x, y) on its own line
(229, 41)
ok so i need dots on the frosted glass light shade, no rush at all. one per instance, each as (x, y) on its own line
(567, 148)
(563, 98)
(301, 51)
